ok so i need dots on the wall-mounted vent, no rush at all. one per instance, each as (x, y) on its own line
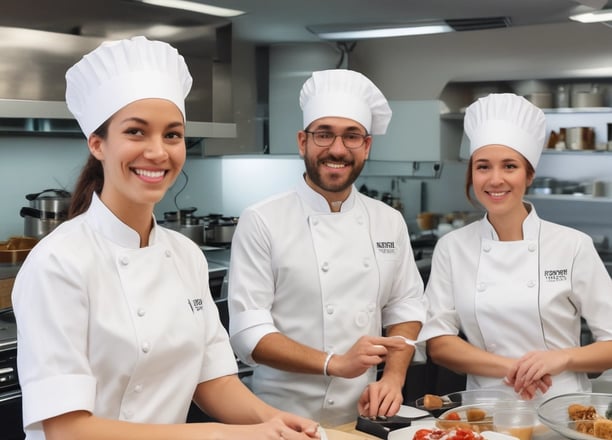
(477, 24)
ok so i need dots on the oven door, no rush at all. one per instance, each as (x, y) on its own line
(10, 395)
(11, 416)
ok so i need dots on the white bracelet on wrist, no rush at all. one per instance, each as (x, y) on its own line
(327, 359)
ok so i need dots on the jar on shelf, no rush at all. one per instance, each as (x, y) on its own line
(562, 97)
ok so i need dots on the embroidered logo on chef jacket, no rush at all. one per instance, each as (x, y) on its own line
(195, 304)
(555, 275)
(386, 247)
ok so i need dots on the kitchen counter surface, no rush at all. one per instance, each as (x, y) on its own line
(347, 432)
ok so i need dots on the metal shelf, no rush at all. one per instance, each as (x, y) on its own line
(585, 198)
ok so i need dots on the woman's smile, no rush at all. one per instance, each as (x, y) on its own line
(152, 176)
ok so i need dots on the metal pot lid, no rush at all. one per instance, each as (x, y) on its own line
(59, 194)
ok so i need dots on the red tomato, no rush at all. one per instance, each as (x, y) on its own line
(453, 416)
(465, 434)
(421, 434)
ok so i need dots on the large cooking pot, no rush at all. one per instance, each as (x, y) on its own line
(187, 223)
(47, 210)
(220, 230)
(50, 200)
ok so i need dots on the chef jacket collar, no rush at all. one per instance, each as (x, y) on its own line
(318, 203)
(104, 221)
(531, 226)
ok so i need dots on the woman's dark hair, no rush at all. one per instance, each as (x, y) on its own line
(90, 180)
(469, 178)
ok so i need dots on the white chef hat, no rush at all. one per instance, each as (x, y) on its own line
(118, 73)
(506, 119)
(345, 94)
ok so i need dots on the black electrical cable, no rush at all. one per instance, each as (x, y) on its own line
(181, 190)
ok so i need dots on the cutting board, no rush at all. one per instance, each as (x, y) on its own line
(333, 434)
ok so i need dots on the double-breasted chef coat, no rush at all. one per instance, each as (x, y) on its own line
(512, 297)
(108, 327)
(323, 279)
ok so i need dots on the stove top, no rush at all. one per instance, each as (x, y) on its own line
(8, 329)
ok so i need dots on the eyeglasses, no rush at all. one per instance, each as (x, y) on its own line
(327, 138)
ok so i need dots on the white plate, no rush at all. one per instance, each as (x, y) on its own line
(408, 433)
(411, 411)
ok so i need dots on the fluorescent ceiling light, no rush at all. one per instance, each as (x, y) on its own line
(593, 17)
(335, 33)
(195, 7)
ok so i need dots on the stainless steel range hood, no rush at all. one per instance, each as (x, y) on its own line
(19, 116)
(33, 61)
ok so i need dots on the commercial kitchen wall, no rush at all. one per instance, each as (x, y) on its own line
(224, 185)
(404, 68)
(214, 185)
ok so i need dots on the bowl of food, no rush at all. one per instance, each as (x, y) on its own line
(519, 422)
(579, 416)
(471, 410)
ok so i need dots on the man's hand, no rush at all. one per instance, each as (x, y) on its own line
(367, 352)
(382, 398)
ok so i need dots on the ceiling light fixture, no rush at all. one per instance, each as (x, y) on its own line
(593, 17)
(195, 7)
(351, 33)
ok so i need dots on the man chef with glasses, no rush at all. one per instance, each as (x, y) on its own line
(318, 273)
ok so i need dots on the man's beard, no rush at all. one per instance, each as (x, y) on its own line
(312, 170)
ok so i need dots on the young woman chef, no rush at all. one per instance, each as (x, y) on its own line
(514, 284)
(117, 328)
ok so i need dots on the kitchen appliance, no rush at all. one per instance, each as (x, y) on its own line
(10, 392)
(187, 223)
(47, 210)
(220, 229)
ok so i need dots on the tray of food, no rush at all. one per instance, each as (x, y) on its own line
(579, 416)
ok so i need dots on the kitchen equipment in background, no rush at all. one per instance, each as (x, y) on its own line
(47, 210)
(220, 230)
(580, 138)
(187, 223)
(15, 249)
(543, 186)
(428, 221)
(601, 188)
(540, 99)
(587, 98)
(10, 392)
(562, 97)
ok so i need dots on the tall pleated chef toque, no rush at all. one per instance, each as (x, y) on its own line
(506, 119)
(346, 94)
(118, 73)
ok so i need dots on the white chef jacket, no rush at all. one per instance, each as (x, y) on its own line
(323, 279)
(114, 329)
(511, 297)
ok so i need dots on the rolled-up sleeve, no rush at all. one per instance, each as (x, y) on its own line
(251, 286)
